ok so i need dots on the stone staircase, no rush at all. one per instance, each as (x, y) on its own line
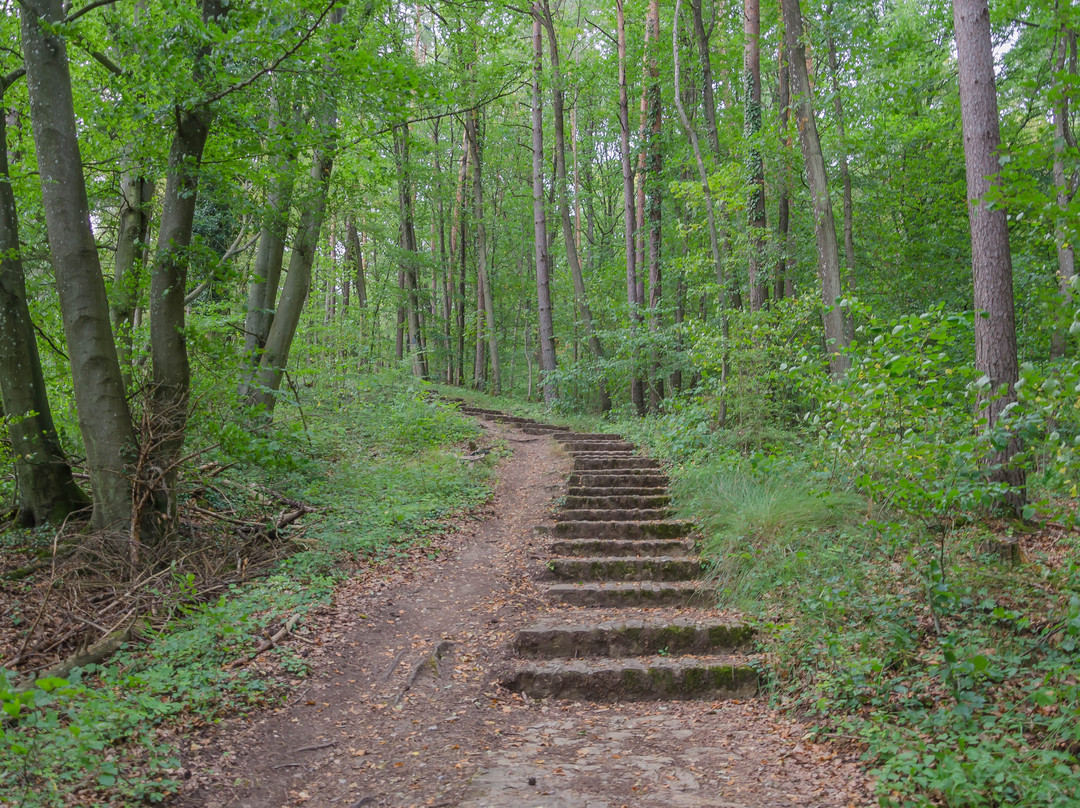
(633, 618)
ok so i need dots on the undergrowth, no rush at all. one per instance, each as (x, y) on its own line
(378, 461)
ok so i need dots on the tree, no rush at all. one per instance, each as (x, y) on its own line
(836, 333)
(100, 395)
(755, 207)
(543, 258)
(991, 261)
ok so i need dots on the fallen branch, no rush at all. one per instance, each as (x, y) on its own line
(270, 642)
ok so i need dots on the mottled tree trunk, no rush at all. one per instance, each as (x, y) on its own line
(543, 258)
(995, 322)
(47, 490)
(836, 334)
(100, 396)
(755, 206)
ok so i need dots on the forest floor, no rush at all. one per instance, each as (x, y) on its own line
(402, 706)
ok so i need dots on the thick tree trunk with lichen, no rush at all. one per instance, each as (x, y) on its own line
(100, 395)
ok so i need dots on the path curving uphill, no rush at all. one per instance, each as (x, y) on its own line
(637, 622)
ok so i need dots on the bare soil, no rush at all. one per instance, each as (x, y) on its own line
(403, 707)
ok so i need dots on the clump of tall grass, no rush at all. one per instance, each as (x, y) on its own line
(769, 528)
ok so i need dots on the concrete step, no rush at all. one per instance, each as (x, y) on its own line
(616, 547)
(612, 514)
(617, 501)
(644, 465)
(543, 429)
(633, 637)
(626, 478)
(573, 445)
(591, 436)
(623, 594)
(594, 454)
(625, 568)
(589, 529)
(638, 679)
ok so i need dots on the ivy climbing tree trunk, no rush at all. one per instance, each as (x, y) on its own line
(755, 206)
(47, 490)
(100, 396)
(991, 261)
(543, 258)
(836, 333)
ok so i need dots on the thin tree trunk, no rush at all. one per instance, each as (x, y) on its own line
(1063, 139)
(630, 215)
(100, 395)
(714, 236)
(836, 333)
(488, 307)
(653, 182)
(558, 122)
(457, 257)
(755, 207)
(708, 98)
(845, 173)
(785, 261)
(543, 259)
(995, 322)
(294, 292)
(136, 192)
(410, 251)
(47, 490)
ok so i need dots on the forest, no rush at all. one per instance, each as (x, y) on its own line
(815, 255)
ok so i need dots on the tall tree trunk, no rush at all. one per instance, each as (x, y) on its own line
(488, 307)
(543, 259)
(714, 236)
(755, 206)
(47, 490)
(136, 192)
(653, 181)
(845, 173)
(836, 333)
(294, 292)
(100, 396)
(784, 270)
(1063, 186)
(269, 252)
(572, 258)
(457, 258)
(995, 322)
(410, 250)
(637, 386)
(708, 98)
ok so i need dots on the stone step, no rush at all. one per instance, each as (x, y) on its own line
(593, 453)
(616, 547)
(591, 436)
(543, 429)
(627, 478)
(573, 445)
(637, 679)
(626, 568)
(624, 594)
(612, 514)
(587, 529)
(633, 637)
(607, 491)
(592, 463)
(617, 501)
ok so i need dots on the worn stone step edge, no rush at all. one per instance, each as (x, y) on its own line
(602, 491)
(596, 529)
(612, 514)
(621, 547)
(625, 568)
(616, 501)
(636, 679)
(625, 479)
(633, 637)
(633, 593)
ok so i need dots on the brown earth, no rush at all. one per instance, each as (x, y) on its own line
(403, 707)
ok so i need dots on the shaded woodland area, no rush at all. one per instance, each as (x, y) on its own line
(795, 241)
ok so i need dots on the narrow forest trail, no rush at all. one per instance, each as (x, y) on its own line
(411, 700)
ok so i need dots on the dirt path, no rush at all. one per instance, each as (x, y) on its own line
(403, 709)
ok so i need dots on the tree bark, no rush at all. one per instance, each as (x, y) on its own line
(136, 193)
(755, 206)
(47, 490)
(1063, 186)
(572, 257)
(484, 288)
(836, 333)
(294, 292)
(410, 251)
(637, 386)
(100, 396)
(995, 322)
(785, 267)
(653, 182)
(845, 173)
(543, 258)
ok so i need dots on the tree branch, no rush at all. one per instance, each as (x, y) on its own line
(89, 7)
